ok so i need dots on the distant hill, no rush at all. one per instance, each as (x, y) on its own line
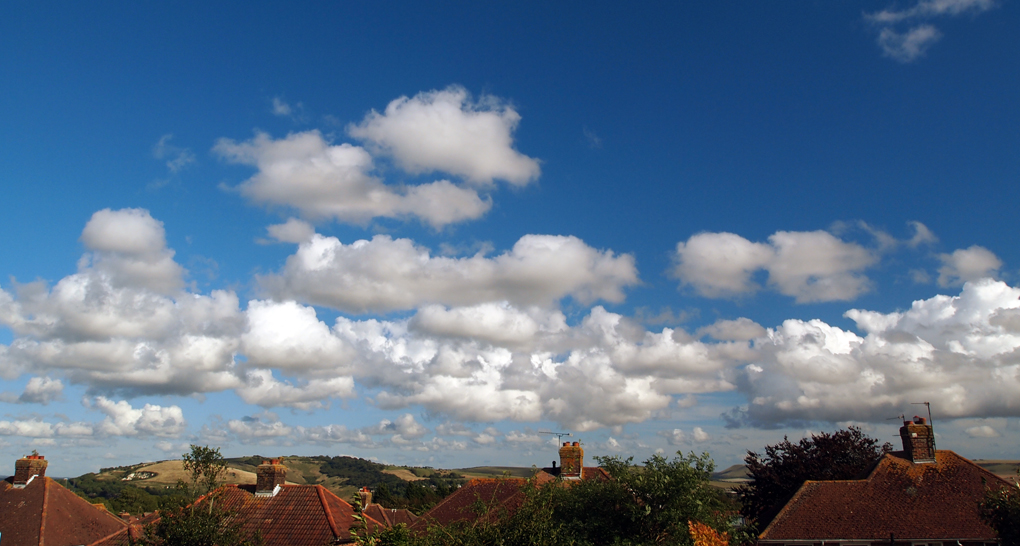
(138, 488)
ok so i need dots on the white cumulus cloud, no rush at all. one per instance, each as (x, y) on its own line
(445, 131)
(955, 350)
(326, 181)
(384, 274)
(809, 266)
(967, 264)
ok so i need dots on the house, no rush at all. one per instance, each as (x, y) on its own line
(918, 496)
(482, 500)
(282, 513)
(36, 510)
(387, 516)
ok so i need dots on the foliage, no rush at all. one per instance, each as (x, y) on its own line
(653, 504)
(779, 473)
(185, 522)
(206, 466)
(201, 525)
(1001, 511)
(117, 495)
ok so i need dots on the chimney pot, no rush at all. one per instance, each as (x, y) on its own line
(918, 440)
(27, 468)
(269, 477)
(571, 460)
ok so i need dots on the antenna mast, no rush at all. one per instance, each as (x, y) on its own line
(558, 435)
(930, 422)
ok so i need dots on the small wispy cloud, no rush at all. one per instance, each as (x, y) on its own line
(284, 109)
(177, 158)
(593, 139)
(909, 44)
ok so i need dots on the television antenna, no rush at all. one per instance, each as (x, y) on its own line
(558, 435)
(930, 422)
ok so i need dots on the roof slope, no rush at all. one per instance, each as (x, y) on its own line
(390, 516)
(297, 515)
(46, 512)
(481, 499)
(912, 501)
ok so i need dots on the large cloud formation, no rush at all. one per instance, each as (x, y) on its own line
(484, 339)
(960, 351)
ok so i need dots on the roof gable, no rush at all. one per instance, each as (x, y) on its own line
(46, 512)
(912, 501)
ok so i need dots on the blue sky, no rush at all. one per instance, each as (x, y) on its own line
(422, 234)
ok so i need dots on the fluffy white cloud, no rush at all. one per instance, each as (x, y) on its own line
(259, 428)
(124, 420)
(967, 264)
(292, 231)
(983, 431)
(129, 245)
(445, 131)
(741, 329)
(117, 327)
(324, 181)
(958, 351)
(262, 389)
(42, 390)
(700, 435)
(385, 274)
(403, 429)
(720, 264)
(288, 336)
(807, 265)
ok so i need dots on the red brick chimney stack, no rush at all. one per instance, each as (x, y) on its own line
(269, 476)
(918, 440)
(571, 460)
(366, 498)
(28, 468)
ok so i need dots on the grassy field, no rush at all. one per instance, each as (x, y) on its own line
(496, 472)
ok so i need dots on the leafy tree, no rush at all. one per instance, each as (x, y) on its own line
(1001, 511)
(182, 522)
(654, 504)
(779, 473)
(206, 466)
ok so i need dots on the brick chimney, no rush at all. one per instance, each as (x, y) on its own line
(270, 476)
(571, 460)
(366, 498)
(29, 468)
(918, 440)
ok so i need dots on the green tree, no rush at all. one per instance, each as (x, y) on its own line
(182, 522)
(779, 473)
(650, 504)
(206, 466)
(1001, 511)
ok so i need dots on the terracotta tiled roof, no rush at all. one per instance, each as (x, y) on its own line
(299, 515)
(390, 516)
(481, 499)
(587, 473)
(909, 500)
(45, 512)
(296, 516)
